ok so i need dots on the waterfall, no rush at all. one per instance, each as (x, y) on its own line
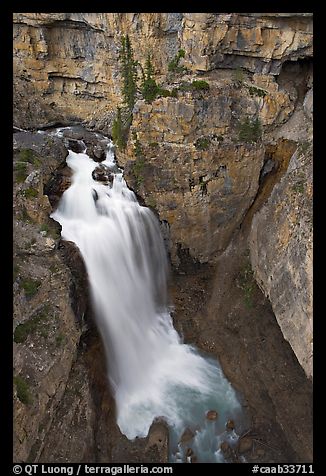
(151, 371)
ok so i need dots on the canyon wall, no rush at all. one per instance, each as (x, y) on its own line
(234, 154)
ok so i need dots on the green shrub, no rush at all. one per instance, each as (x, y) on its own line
(202, 143)
(59, 339)
(253, 91)
(119, 131)
(137, 169)
(31, 193)
(21, 171)
(298, 187)
(149, 88)
(30, 286)
(128, 72)
(173, 66)
(45, 227)
(250, 130)
(167, 93)
(32, 325)
(22, 389)
(246, 283)
(28, 155)
(24, 216)
(200, 85)
(238, 76)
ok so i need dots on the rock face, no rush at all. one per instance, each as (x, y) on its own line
(46, 330)
(281, 253)
(69, 61)
(226, 166)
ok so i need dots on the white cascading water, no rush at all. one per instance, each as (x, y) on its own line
(151, 371)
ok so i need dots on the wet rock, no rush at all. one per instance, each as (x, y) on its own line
(211, 415)
(157, 442)
(97, 152)
(189, 452)
(59, 182)
(187, 435)
(79, 283)
(225, 448)
(102, 174)
(75, 145)
(230, 425)
(245, 445)
(74, 133)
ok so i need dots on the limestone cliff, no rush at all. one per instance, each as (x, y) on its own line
(281, 254)
(222, 162)
(68, 62)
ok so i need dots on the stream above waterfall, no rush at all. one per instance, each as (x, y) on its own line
(152, 372)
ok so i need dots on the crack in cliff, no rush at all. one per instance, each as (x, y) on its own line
(279, 155)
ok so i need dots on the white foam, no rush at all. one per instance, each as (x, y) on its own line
(152, 373)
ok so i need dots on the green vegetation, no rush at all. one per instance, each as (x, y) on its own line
(194, 86)
(50, 230)
(28, 155)
(59, 339)
(137, 169)
(128, 72)
(22, 390)
(30, 286)
(120, 130)
(202, 143)
(200, 85)
(24, 216)
(253, 91)
(303, 147)
(174, 66)
(239, 77)
(32, 325)
(154, 145)
(45, 227)
(298, 187)
(149, 88)
(21, 172)
(246, 283)
(167, 93)
(151, 202)
(250, 130)
(31, 193)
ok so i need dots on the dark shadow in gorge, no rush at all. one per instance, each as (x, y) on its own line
(220, 309)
